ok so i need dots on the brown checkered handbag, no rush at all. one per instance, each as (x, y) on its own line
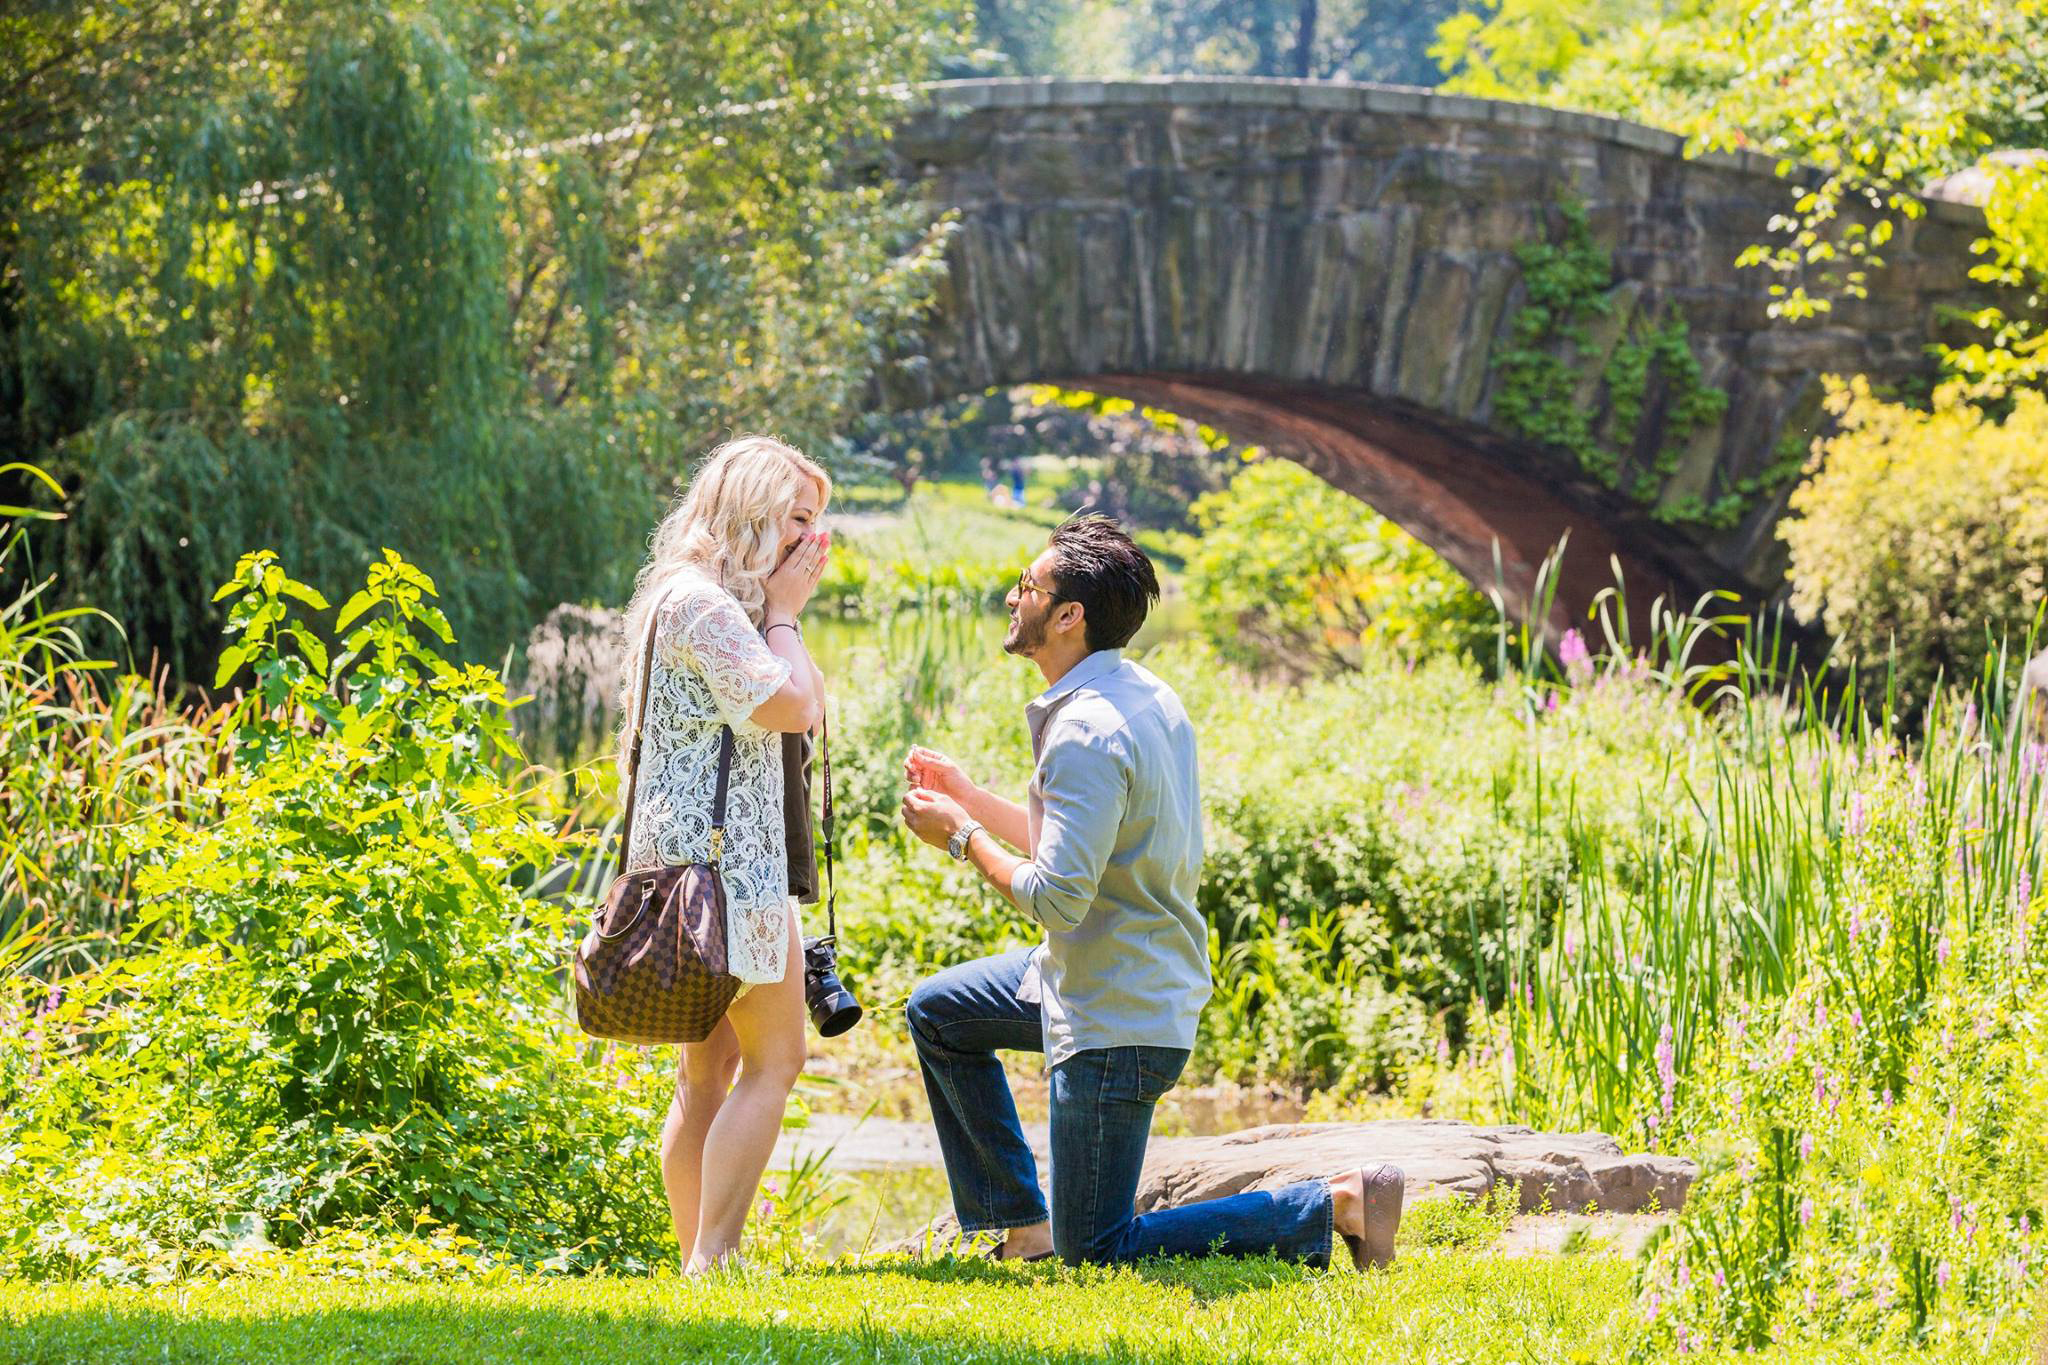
(653, 967)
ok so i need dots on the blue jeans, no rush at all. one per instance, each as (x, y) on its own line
(1102, 1101)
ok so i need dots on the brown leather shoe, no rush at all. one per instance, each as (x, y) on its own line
(1384, 1186)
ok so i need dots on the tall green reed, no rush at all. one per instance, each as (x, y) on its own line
(1758, 880)
(86, 751)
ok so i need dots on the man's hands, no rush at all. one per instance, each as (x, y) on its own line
(935, 807)
(929, 770)
(932, 817)
(942, 801)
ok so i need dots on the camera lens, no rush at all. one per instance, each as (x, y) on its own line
(832, 1006)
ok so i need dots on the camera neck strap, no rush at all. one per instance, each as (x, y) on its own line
(825, 770)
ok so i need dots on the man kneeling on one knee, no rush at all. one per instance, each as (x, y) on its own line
(1111, 837)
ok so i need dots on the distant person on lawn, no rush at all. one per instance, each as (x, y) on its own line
(1111, 838)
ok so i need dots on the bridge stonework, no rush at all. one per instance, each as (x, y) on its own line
(1329, 271)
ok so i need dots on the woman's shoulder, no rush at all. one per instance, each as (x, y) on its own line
(691, 590)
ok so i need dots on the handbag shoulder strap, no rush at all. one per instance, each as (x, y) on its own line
(725, 746)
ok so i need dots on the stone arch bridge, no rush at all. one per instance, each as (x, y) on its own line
(1330, 271)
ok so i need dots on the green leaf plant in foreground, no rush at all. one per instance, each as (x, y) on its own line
(340, 1003)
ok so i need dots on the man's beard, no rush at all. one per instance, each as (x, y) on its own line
(1025, 636)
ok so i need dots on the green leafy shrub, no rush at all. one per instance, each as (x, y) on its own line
(1921, 537)
(1367, 837)
(352, 1012)
(1290, 572)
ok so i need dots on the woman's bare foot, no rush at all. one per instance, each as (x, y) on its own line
(704, 1265)
(1365, 1207)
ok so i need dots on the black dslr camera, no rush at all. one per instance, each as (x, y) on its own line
(832, 1006)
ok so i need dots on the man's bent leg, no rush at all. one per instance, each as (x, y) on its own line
(958, 1019)
(1102, 1102)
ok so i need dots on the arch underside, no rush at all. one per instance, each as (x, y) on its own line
(1485, 512)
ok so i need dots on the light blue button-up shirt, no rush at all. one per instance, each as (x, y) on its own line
(1116, 855)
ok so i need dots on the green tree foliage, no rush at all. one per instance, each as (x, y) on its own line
(1288, 571)
(474, 279)
(1923, 532)
(1876, 99)
(1506, 49)
(2014, 350)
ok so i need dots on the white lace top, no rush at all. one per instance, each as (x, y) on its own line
(712, 668)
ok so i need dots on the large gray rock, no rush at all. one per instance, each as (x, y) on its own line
(1570, 1172)
(1574, 1171)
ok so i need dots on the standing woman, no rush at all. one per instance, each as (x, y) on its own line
(732, 568)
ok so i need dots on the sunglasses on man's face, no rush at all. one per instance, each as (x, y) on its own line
(1025, 585)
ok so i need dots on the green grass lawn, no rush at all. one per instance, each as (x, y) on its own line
(1450, 1306)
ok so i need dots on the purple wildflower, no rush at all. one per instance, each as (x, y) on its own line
(1806, 1147)
(1805, 1211)
(1577, 659)
(1858, 820)
(1941, 1275)
(1667, 1069)
(1720, 1279)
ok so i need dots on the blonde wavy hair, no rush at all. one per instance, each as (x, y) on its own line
(727, 525)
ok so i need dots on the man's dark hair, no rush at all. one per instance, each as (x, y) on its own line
(1102, 568)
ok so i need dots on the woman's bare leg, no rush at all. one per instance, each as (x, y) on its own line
(769, 1021)
(704, 1073)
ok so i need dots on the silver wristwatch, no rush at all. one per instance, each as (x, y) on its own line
(957, 845)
